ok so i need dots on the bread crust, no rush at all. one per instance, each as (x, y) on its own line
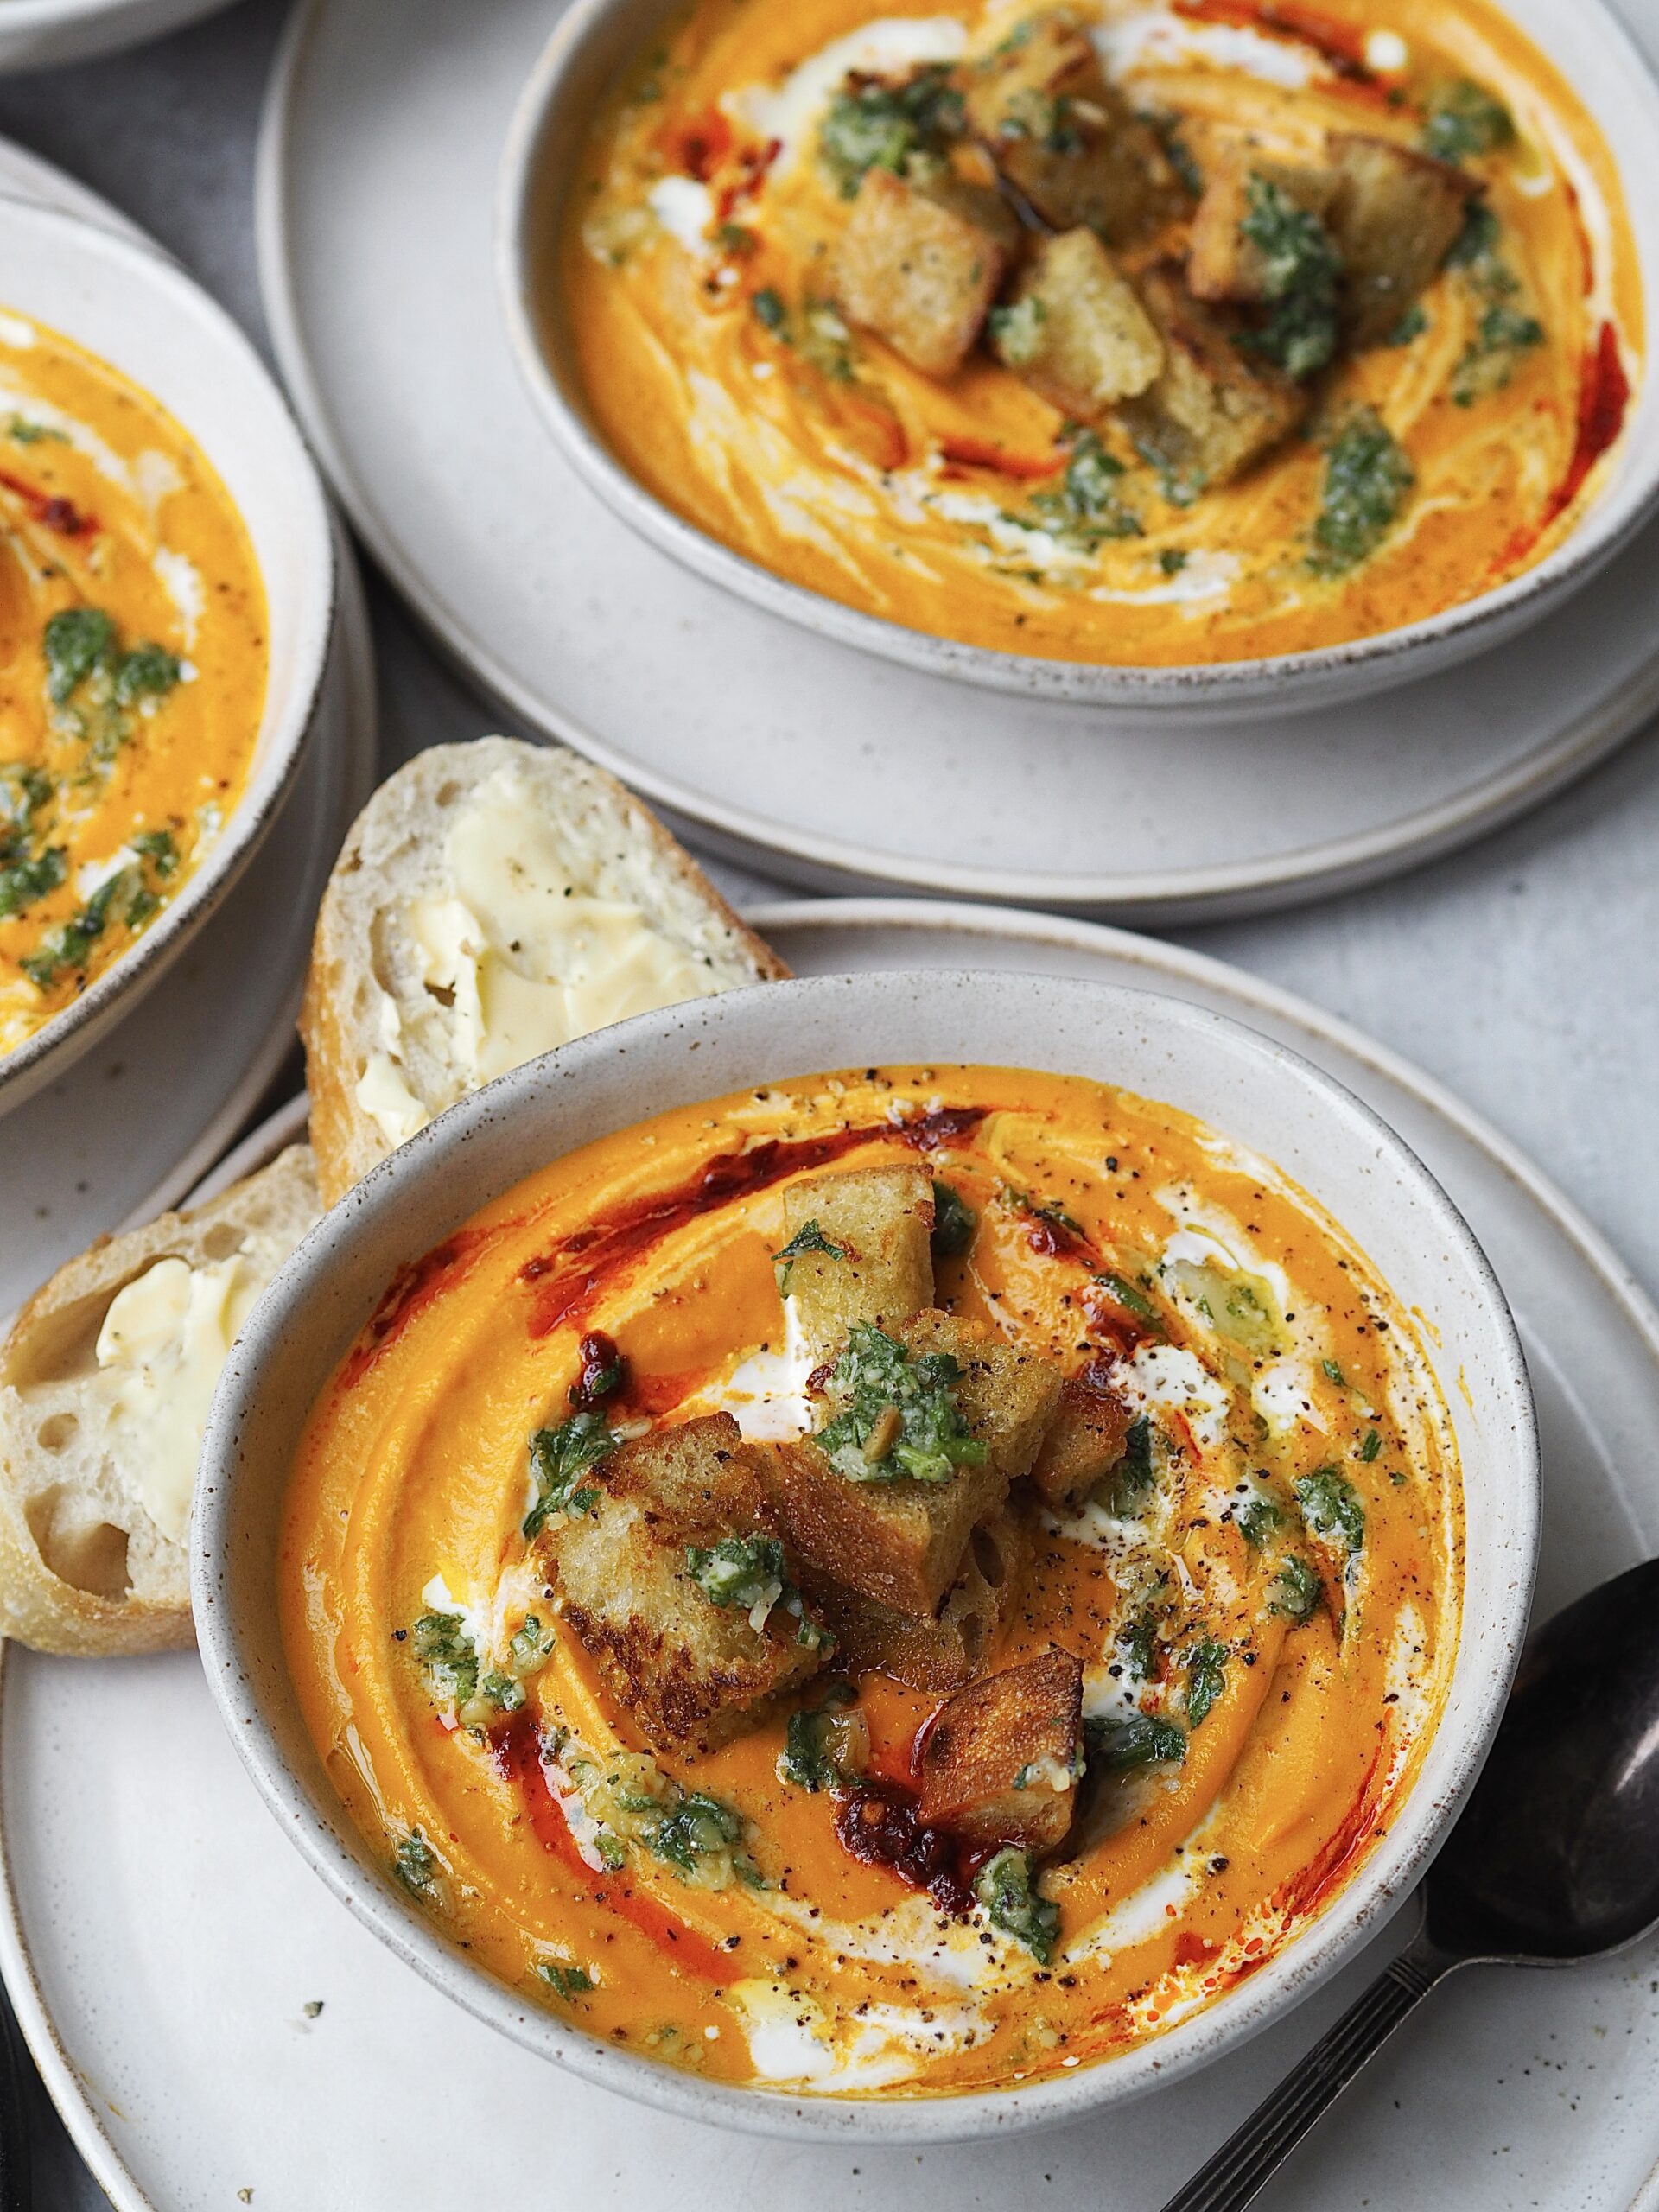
(395, 847)
(48, 1514)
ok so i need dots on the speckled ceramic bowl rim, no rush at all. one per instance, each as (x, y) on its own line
(1243, 690)
(199, 321)
(431, 1184)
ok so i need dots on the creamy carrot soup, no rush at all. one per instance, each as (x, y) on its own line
(132, 667)
(1125, 334)
(899, 1583)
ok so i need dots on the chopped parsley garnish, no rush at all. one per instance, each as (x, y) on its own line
(24, 881)
(24, 790)
(898, 1417)
(1295, 1589)
(954, 1222)
(156, 846)
(744, 1571)
(1173, 560)
(147, 672)
(1412, 324)
(1332, 1508)
(769, 309)
(696, 1827)
(1300, 270)
(872, 123)
(1463, 118)
(531, 1645)
(1206, 1678)
(1004, 1886)
(810, 1238)
(825, 1747)
(1371, 1446)
(566, 1981)
(449, 1657)
(1043, 1209)
(1120, 1746)
(417, 1867)
(1123, 1490)
(558, 1459)
(1367, 477)
(1333, 1372)
(1478, 240)
(22, 432)
(1138, 1640)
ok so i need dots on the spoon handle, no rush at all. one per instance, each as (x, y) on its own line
(1253, 2152)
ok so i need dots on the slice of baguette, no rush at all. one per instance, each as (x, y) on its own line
(368, 994)
(83, 1567)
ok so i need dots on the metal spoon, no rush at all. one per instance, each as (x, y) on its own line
(1553, 1858)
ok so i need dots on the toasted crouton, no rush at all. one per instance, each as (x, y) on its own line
(877, 1223)
(999, 1763)
(1085, 1442)
(1065, 137)
(1211, 413)
(1076, 330)
(1394, 215)
(692, 1669)
(920, 266)
(937, 1652)
(1224, 264)
(900, 1541)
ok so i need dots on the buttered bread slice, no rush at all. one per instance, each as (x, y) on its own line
(494, 899)
(105, 1381)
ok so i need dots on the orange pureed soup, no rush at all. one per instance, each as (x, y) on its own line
(1134, 335)
(625, 1679)
(132, 667)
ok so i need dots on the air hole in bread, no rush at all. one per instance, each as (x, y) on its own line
(988, 1558)
(56, 1430)
(443, 993)
(448, 794)
(221, 1240)
(972, 1633)
(89, 1556)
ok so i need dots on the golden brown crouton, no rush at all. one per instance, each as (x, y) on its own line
(1394, 218)
(1065, 137)
(1085, 1442)
(920, 266)
(675, 1635)
(937, 1652)
(1076, 330)
(878, 1220)
(1211, 413)
(902, 1541)
(1224, 264)
(999, 1765)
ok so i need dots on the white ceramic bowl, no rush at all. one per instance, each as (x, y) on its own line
(129, 303)
(40, 33)
(596, 39)
(1257, 1092)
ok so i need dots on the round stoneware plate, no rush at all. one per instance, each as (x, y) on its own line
(39, 33)
(137, 309)
(596, 39)
(138, 1858)
(787, 752)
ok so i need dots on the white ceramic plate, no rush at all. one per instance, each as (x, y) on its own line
(162, 1942)
(35, 33)
(785, 751)
(110, 292)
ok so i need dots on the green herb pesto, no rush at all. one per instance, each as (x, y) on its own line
(1492, 355)
(825, 1747)
(558, 1459)
(1367, 478)
(1206, 1678)
(126, 899)
(954, 1222)
(1301, 267)
(1123, 1492)
(1463, 118)
(809, 1237)
(1332, 1509)
(1004, 1887)
(1083, 510)
(898, 1417)
(1016, 331)
(1140, 1739)
(1295, 1589)
(418, 1867)
(904, 127)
